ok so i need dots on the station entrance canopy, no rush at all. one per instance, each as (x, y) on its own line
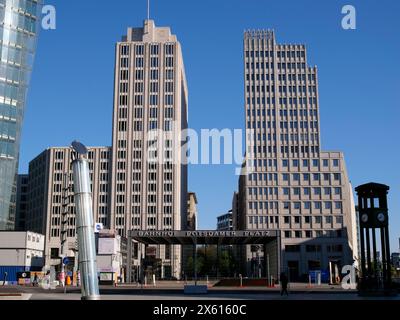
(211, 237)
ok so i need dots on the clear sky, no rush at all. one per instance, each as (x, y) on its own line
(71, 94)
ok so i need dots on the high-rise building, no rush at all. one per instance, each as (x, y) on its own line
(290, 184)
(140, 183)
(224, 222)
(22, 202)
(149, 179)
(51, 206)
(18, 31)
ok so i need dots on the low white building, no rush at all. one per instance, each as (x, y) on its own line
(109, 257)
(20, 252)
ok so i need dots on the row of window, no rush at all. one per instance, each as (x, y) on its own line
(314, 248)
(283, 89)
(294, 125)
(295, 177)
(327, 191)
(282, 112)
(306, 205)
(150, 210)
(154, 49)
(282, 101)
(270, 53)
(281, 66)
(294, 150)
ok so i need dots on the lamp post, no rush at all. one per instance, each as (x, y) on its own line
(85, 224)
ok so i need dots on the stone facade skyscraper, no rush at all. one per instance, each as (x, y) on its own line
(290, 184)
(149, 181)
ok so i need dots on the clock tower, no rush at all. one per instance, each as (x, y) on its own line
(374, 228)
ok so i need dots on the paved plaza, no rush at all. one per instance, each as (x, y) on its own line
(174, 291)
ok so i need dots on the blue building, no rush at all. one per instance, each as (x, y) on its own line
(18, 33)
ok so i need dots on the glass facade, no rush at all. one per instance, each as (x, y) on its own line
(19, 24)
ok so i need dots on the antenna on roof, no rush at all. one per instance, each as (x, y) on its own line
(148, 9)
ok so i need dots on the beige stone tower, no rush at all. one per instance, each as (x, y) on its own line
(150, 96)
(293, 186)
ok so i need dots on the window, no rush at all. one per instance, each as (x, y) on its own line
(338, 205)
(307, 219)
(288, 234)
(336, 163)
(328, 205)
(292, 248)
(286, 205)
(338, 191)
(325, 163)
(315, 163)
(54, 253)
(285, 177)
(339, 220)
(328, 220)
(286, 191)
(313, 248)
(286, 220)
(285, 163)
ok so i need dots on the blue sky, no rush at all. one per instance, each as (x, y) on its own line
(71, 94)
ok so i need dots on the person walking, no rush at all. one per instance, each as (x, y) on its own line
(35, 281)
(5, 278)
(284, 284)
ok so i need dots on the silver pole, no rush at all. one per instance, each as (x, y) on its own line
(85, 229)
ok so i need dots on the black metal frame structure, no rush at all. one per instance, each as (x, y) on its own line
(211, 237)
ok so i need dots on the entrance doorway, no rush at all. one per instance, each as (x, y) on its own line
(293, 269)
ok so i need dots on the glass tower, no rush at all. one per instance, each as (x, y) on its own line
(18, 33)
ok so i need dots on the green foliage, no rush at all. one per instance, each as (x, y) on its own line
(209, 262)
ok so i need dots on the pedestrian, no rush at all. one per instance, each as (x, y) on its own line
(284, 284)
(5, 278)
(35, 280)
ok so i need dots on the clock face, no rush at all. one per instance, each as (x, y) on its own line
(364, 218)
(381, 217)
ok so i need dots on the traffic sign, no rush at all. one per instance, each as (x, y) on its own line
(65, 261)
